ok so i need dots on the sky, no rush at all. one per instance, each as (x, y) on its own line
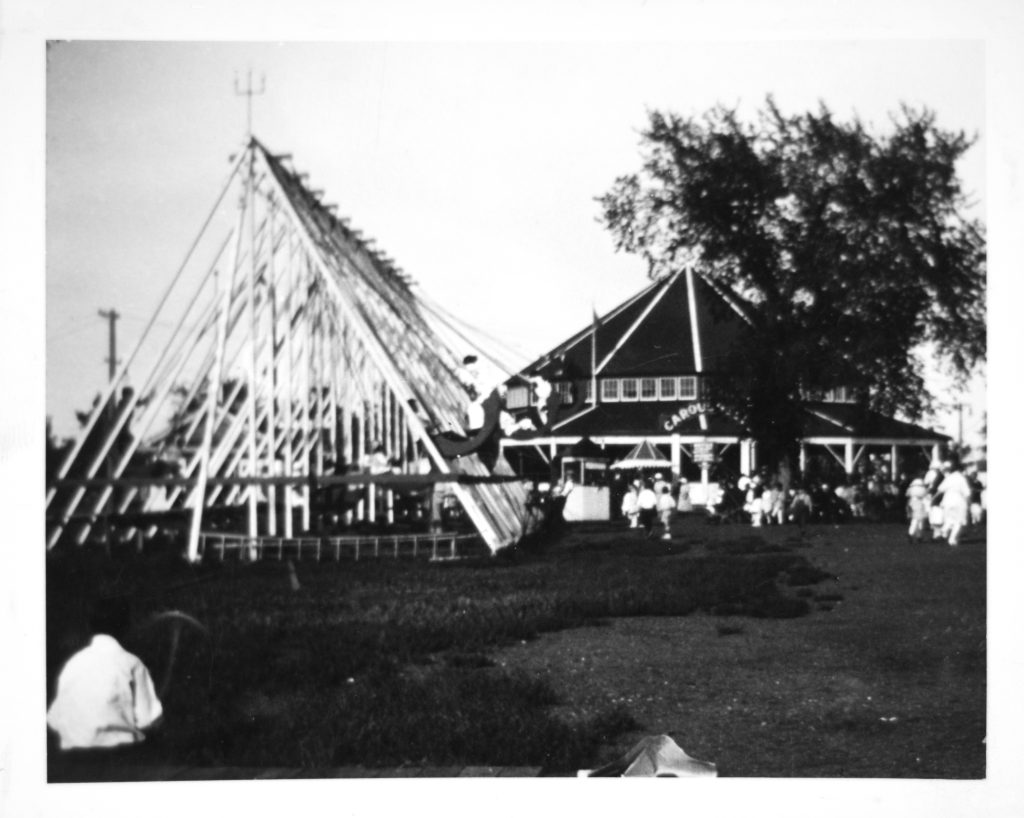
(474, 165)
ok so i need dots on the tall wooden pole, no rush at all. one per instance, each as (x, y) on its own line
(253, 336)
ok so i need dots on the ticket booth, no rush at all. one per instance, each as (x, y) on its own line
(586, 465)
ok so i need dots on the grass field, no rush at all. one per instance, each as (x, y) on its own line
(769, 655)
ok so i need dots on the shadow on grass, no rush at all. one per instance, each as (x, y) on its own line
(385, 663)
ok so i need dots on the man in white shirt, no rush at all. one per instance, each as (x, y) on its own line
(105, 695)
(647, 502)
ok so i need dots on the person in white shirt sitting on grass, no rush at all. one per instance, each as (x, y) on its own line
(105, 696)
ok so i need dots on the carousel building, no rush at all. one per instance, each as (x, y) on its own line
(650, 363)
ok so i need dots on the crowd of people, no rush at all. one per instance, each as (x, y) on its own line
(944, 500)
(650, 503)
(937, 504)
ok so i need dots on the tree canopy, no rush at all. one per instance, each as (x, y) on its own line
(847, 250)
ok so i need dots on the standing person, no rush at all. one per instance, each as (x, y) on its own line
(936, 516)
(778, 497)
(800, 506)
(768, 499)
(647, 503)
(684, 505)
(956, 499)
(976, 489)
(666, 510)
(917, 509)
(753, 502)
(659, 484)
(630, 509)
(105, 695)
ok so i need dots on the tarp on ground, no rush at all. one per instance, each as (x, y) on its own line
(655, 757)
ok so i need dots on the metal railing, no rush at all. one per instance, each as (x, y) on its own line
(436, 546)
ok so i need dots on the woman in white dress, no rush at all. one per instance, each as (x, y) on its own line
(956, 500)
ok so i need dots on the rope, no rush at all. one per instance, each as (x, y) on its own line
(449, 320)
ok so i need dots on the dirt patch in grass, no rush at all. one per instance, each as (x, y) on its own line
(390, 662)
(884, 678)
(562, 657)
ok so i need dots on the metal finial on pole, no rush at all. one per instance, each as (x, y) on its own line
(249, 92)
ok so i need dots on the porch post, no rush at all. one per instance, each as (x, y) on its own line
(894, 461)
(746, 456)
(803, 458)
(848, 458)
(675, 457)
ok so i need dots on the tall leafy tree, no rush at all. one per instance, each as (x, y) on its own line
(846, 249)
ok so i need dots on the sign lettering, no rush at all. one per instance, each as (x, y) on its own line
(673, 421)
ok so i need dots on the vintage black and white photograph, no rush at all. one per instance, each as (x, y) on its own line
(520, 408)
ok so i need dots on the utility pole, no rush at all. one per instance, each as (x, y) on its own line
(111, 315)
(249, 92)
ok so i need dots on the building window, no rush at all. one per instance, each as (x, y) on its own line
(648, 389)
(688, 387)
(518, 397)
(610, 390)
(588, 394)
(629, 389)
(840, 394)
(564, 390)
(667, 388)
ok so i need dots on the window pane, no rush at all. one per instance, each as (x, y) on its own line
(688, 387)
(610, 389)
(648, 389)
(564, 390)
(667, 388)
(629, 389)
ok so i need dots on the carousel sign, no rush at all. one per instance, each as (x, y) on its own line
(673, 421)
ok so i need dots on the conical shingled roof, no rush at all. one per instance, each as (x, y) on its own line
(643, 455)
(652, 334)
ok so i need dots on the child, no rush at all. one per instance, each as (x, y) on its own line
(917, 509)
(936, 516)
(684, 504)
(800, 507)
(666, 509)
(647, 502)
(630, 509)
(753, 505)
